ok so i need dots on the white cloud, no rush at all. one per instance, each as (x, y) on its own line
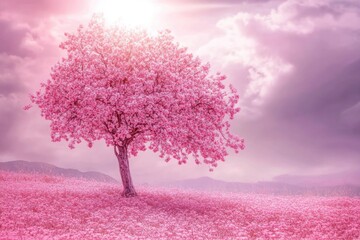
(351, 115)
(235, 46)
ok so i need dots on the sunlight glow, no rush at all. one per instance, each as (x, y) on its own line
(140, 13)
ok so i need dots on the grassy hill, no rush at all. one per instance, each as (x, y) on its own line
(22, 166)
(34, 206)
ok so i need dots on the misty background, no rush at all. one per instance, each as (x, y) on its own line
(296, 65)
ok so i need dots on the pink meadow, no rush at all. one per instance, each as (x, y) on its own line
(47, 207)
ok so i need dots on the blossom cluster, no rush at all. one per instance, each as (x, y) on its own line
(129, 87)
(48, 207)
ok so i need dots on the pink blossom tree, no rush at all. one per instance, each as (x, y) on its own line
(137, 91)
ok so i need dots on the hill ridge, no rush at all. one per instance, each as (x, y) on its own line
(47, 168)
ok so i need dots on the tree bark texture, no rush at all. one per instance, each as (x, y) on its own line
(122, 156)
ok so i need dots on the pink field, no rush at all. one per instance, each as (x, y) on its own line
(43, 207)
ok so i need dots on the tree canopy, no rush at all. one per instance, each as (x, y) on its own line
(138, 90)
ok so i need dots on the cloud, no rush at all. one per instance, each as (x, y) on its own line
(297, 68)
(37, 9)
(236, 47)
(11, 38)
(8, 116)
(351, 116)
(9, 80)
(27, 52)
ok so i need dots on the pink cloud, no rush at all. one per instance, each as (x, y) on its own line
(295, 59)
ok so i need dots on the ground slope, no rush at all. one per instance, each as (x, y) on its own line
(43, 207)
(22, 166)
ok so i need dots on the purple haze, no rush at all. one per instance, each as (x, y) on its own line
(296, 65)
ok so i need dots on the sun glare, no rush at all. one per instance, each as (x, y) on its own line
(139, 13)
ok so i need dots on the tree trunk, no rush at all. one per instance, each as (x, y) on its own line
(122, 156)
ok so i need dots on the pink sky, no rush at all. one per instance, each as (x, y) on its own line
(295, 63)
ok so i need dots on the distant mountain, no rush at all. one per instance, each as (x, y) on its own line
(49, 169)
(334, 179)
(277, 188)
(209, 184)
